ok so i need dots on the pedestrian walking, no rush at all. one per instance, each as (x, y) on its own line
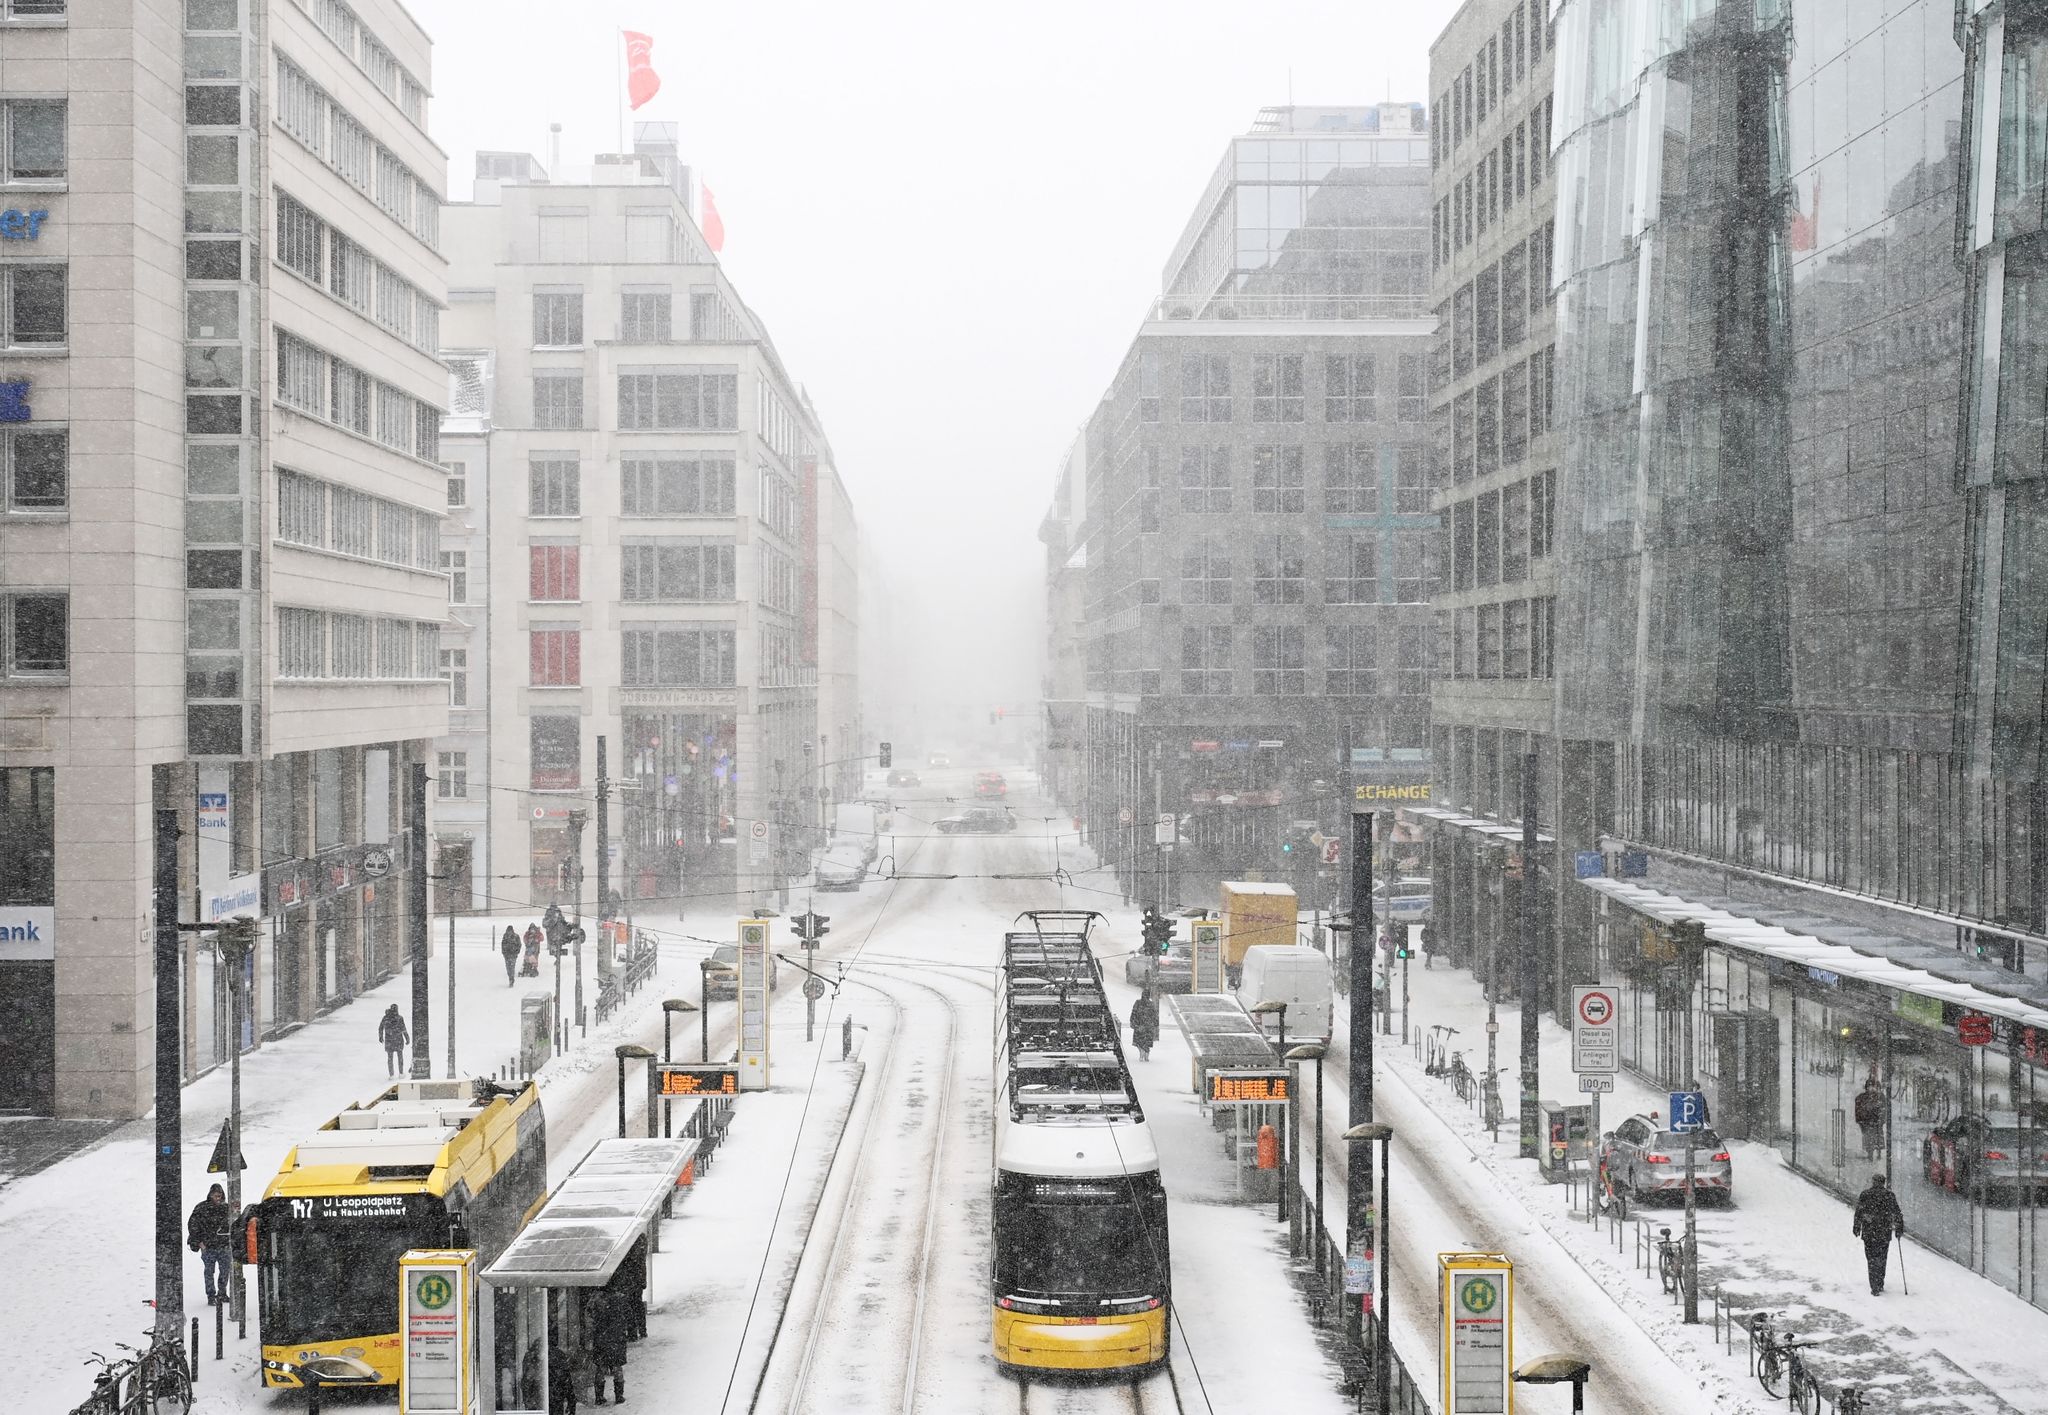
(1145, 1023)
(509, 946)
(1877, 1222)
(209, 1232)
(561, 1380)
(1871, 1105)
(391, 1031)
(608, 1326)
(534, 939)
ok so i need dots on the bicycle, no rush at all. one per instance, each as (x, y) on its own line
(1490, 1105)
(1461, 1077)
(1672, 1261)
(165, 1376)
(107, 1383)
(1849, 1401)
(1780, 1364)
(1436, 1052)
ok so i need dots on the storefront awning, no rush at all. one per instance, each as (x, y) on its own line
(1478, 825)
(590, 1223)
(1774, 941)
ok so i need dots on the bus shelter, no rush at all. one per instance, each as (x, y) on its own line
(596, 1233)
(1223, 1038)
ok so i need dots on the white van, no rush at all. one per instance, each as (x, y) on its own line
(1299, 977)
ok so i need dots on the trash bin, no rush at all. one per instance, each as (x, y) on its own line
(1567, 1139)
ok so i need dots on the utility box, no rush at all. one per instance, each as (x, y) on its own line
(536, 1031)
(1567, 1139)
(1254, 913)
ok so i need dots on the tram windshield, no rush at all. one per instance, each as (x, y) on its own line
(1108, 1244)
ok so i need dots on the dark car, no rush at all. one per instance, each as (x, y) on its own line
(1976, 1152)
(721, 972)
(903, 776)
(990, 786)
(1173, 973)
(981, 820)
(1642, 1159)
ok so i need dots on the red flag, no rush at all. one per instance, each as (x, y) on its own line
(714, 228)
(642, 83)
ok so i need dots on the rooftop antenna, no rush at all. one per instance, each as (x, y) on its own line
(1290, 98)
(554, 150)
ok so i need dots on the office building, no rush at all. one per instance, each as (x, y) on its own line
(220, 590)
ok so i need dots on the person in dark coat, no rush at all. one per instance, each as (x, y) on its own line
(1145, 1023)
(509, 946)
(534, 939)
(561, 1381)
(608, 1333)
(1877, 1221)
(1871, 1106)
(629, 1285)
(209, 1232)
(391, 1031)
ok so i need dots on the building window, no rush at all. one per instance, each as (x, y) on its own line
(35, 131)
(1351, 478)
(564, 237)
(1279, 575)
(34, 304)
(455, 669)
(1514, 532)
(555, 657)
(455, 565)
(1350, 388)
(558, 399)
(37, 472)
(37, 633)
(676, 484)
(1276, 388)
(1350, 658)
(351, 646)
(1205, 478)
(644, 317)
(553, 572)
(301, 240)
(458, 484)
(553, 487)
(1277, 482)
(1278, 659)
(1542, 513)
(1352, 570)
(1514, 414)
(1411, 481)
(678, 656)
(1205, 660)
(1205, 388)
(451, 771)
(1515, 637)
(301, 643)
(650, 237)
(558, 318)
(1204, 574)
(1414, 567)
(555, 743)
(1149, 378)
(678, 398)
(682, 572)
(1542, 629)
(1489, 641)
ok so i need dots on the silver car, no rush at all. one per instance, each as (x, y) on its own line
(1641, 1159)
(1986, 1153)
(1173, 973)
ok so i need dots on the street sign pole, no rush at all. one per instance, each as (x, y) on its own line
(1690, 1272)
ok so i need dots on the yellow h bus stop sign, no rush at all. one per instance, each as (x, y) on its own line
(437, 1298)
(1475, 1311)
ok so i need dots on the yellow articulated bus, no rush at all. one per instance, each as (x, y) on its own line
(1078, 1271)
(428, 1164)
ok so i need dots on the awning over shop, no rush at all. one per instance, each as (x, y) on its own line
(590, 1223)
(1853, 952)
(1477, 825)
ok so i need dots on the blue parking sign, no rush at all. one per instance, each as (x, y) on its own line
(1688, 1111)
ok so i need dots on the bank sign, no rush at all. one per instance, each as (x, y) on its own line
(28, 933)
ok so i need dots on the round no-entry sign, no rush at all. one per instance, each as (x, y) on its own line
(1595, 1008)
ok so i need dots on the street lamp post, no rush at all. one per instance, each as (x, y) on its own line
(1315, 1051)
(669, 1008)
(627, 1051)
(236, 941)
(1556, 1370)
(704, 1010)
(1267, 1007)
(1383, 1275)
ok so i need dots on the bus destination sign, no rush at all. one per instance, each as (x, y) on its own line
(679, 1080)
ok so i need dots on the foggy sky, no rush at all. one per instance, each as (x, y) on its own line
(951, 218)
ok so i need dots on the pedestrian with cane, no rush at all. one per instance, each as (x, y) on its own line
(1877, 1222)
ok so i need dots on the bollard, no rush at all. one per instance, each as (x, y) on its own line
(220, 1330)
(846, 1039)
(192, 1352)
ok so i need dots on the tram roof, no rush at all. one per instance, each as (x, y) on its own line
(1098, 1148)
(588, 1225)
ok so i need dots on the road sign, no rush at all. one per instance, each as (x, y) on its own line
(219, 1163)
(1475, 1313)
(1166, 829)
(1688, 1112)
(814, 988)
(1332, 849)
(376, 862)
(1596, 1030)
(758, 830)
(1596, 1085)
(1973, 1029)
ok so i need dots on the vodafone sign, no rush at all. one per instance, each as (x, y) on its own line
(1596, 1033)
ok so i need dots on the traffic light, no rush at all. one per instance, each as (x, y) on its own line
(886, 753)
(1158, 932)
(558, 932)
(1402, 947)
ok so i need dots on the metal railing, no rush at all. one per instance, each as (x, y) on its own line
(1319, 1271)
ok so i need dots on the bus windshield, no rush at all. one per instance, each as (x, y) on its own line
(334, 1282)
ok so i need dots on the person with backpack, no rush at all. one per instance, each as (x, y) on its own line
(391, 1031)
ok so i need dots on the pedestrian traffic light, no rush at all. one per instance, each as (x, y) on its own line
(886, 753)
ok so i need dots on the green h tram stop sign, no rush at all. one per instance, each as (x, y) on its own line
(1475, 1311)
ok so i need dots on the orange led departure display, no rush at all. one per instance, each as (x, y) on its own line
(699, 1080)
(1246, 1087)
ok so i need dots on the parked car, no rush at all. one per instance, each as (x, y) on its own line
(904, 776)
(980, 820)
(844, 866)
(1642, 1159)
(1173, 973)
(722, 972)
(990, 786)
(938, 759)
(1985, 1152)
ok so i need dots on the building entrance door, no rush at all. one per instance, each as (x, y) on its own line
(28, 1038)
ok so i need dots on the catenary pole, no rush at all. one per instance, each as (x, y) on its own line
(170, 1199)
(1531, 972)
(416, 910)
(1359, 1161)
